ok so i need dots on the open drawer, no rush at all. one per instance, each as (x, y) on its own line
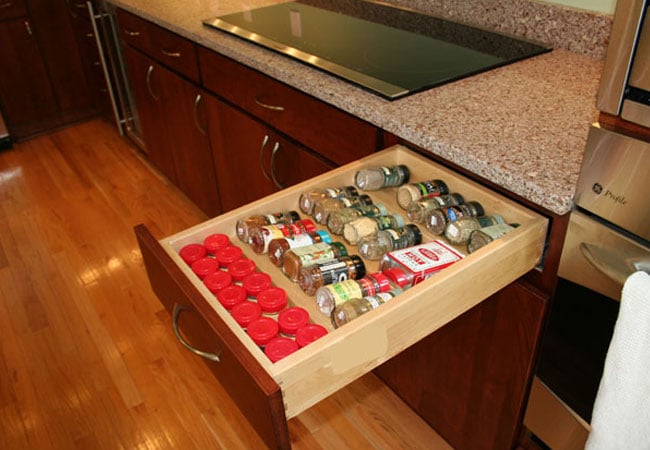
(271, 393)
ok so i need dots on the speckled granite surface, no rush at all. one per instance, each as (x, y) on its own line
(522, 126)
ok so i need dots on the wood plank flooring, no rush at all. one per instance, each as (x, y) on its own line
(88, 359)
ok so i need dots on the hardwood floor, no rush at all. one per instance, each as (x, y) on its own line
(87, 356)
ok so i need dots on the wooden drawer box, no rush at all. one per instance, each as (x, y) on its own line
(284, 389)
(336, 135)
(170, 49)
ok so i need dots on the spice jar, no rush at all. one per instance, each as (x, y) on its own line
(332, 295)
(484, 236)
(328, 272)
(244, 226)
(255, 283)
(260, 237)
(240, 268)
(356, 307)
(416, 211)
(262, 330)
(272, 300)
(337, 219)
(291, 319)
(437, 219)
(215, 242)
(192, 252)
(278, 247)
(280, 347)
(231, 295)
(308, 199)
(309, 333)
(374, 247)
(217, 281)
(323, 208)
(424, 189)
(297, 258)
(376, 178)
(368, 226)
(458, 232)
(228, 255)
(245, 312)
(409, 266)
(204, 266)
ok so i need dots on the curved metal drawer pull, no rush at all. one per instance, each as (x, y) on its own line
(178, 309)
(267, 106)
(264, 142)
(148, 80)
(197, 100)
(170, 54)
(616, 265)
(274, 152)
(131, 33)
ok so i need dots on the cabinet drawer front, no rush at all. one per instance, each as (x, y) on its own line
(10, 9)
(314, 372)
(164, 46)
(336, 135)
(256, 394)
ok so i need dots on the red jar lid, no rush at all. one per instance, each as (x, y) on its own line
(262, 330)
(231, 295)
(309, 225)
(272, 299)
(192, 252)
(279, 347)
(216, 242)
(228, 255)
(240, 268)
(382, 280)
(291, 319)
(245, 312)
(256, 282)
(397, 276)
(309, 333)
(217, 281)
(205, 266)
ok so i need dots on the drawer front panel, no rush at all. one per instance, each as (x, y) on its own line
(166, 47)
(311, 374)
(250, 387)
(335, 134)
(10, 9)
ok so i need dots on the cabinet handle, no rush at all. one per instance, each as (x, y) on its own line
(170, 54)
(264, 142)
(5, 5)
(274, 152)
(267, 106)
(28, 27)
(148, 80)
(131, 33)
(197, 100)
(176, 313)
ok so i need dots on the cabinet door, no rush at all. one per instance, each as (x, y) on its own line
(241, 147)
(25, 90)
(146, 86)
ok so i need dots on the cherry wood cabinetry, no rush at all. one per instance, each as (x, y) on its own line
(44, 84)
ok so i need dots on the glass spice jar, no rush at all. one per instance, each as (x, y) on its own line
(328, 272)
(255, 283)
(216, 242)
(458, 232)
(375, 178)
(278, 247)
(204, 266)
(424, 189)
(217, 281)
(291, 319)
(324, 208)
(374, 247)
(356, 307)
(231, 295)
(329, 296)
(337, 219)
(309, 333)
(437, 219)
(280, 347)
(297, 258)
(245, 312)
(272, 300)
(482, 237)
(240, 268)
(228, 255)
(308, 199)
(244, 226)
(415, 211)
(262, 330)
(192, 252)
(368, 226)
(260, 237)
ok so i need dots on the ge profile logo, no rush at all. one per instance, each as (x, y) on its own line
(597, 188)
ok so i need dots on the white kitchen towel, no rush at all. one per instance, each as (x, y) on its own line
(621, 415)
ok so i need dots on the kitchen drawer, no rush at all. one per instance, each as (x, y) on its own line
(168, 48)
(328, 364)
(336, 135)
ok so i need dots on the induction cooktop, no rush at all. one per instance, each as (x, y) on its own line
(390, 51)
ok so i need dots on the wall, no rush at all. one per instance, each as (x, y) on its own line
(603, 6)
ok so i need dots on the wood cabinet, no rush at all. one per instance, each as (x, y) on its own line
(44, 85)
(174, 126)
(467, 344)
(253, 160)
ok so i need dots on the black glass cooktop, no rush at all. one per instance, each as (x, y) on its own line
(390, 51)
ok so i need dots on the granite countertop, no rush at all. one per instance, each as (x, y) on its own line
(522, 126)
